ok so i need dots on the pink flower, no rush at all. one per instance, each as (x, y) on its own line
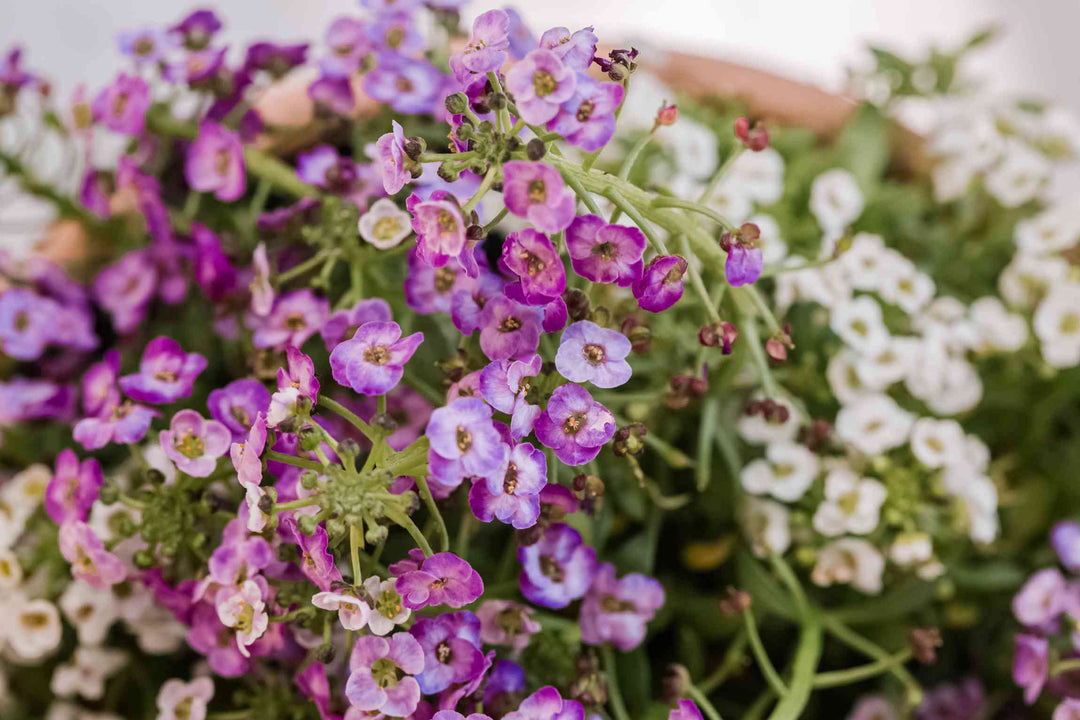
(215, 163)
(195, 443)
(381, 674)
(536, 192)
(89, 559)
(246, 455)
(243, 610)
(73, 488)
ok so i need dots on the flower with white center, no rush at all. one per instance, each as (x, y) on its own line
(850, 561)
(911, 548)
(35, 629)
(995, 328)
(19, 497)
(1057, 325)
(767, 525)
(959, 388)
(771, 242)
(826, 285)
(835, 199)
(759, 175)
(385, 225)
(243, 610)
(91, 610)
(11, 573)
(179, 700)
(157, 631)
(865, 262)
(86, 673)
(873, 424)
(1026, 279)
(387, 609)
(843, 376)
(786, 472)
(1055, 229)
(779, 425)
(352, 612)
(859, 324)
(729, 200)
(1020, 175)
(908, 289)
(935, 443)
(889, 365)
(852, 504)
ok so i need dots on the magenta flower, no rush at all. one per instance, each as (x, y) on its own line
(467, 304)
(575, 50)
(124, 289)
(743, 265)
(536, 192)
(90, 561)
(246, 455)
(373, 360)
(73, 488)
(587, 119)
(590, 353)
(547, 704)
(661, 285)
(617, 611)
(213, 272)
(316, 562)
(511, 493)
(118, 421)
(451, 645)
(505, 622)
(509, 329)
(296, 316)
(1069, 709)
(238, 558)
(99, 388)
(333, 93)
(558, 569)
(166, 373)
(531, 256)
(197, 29)
(410, 87)
(574, 425)
(236, 405)
(1030, 665)
(455, 715)
(486, 50)
(208, 636)
(605, 253)
(343, 324)
(685, 710)
(431, 290)
(121, 106)
(505, 386)
(540, 83)
(194, 443)
(273, 58)
(443, 579)
(348, 42)
(381, 675)
(439, 228)
(390, 152)
(215, 163)
(26, 323)
(462, 432)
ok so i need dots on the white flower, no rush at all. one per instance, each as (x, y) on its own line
(865, 261)
(1025, 280)
(995, 328)
(11, 573)
(695, 147)
(937, 442)
(773, 247)
(387, 609)
(243, 609)
(85, 675)
(759, 175)
(835, 199)
(908, 289)
(1054, 229)
(35, 630)
(155, 457)
(951, 179)
(179, 700)
(972, 137)
(911, 548)
(889, 365)
(976, 454)
(767, 526)
(1057, 325)
(1019, 176)
(981, 503)
(858, 323)
(850, 561)
(843, 377)
(960, 389)
(91, 610)
(786, 472)
(157, 631)
(852, 504)
(385, 225)
(19, 497)
(826, 285)
(352, 612)
(731, 201)
(873, 424)
(757, 429)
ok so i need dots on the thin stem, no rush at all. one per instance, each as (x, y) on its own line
(761, 656)
(615, 699)
(496, 220)
(485, 185)
(871, 649)
(720, 172)
(582, 194)
(406, 522)
(631, 212)
(356, 542)
(504, 112)
(853, 675)
(429, 500)
(787, 576)
(275, 456)
(130, 502)
(669, 201)
(346, 414)
(310, 264)
(703, 703)
(295, 504)
(258, 202)
(439, 157)
(673, 456)
(699, 284)
(733, 660)
(757, 353)
(1064, 666)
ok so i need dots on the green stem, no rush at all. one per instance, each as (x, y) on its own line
(310, 264)
(699, 284)
(804, 668)
(872, 650)
(703, 703)
(720, 172)
(853, 675)
(429, 501)
(439, 157)
(631, 212)
(356, 542)
(673, 456)
(346, 414)
(496, 220)
(761, 655)
(258, 202)
(674, 202)
(485, 185)
(732, 662)
(615, 699)
(406, 522)
(296, 504)
(582, 194)
(275, 456)
(787, 576)
(757, 352)
(1064, 666)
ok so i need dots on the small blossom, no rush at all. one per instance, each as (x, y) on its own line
(605, 253)
(1042, 598)
(89, 559)
(661, 283)
(505, 386)
(536, 192)
(35, 630)
(410, 87)
(850, 561)
(295, 317)
(333, 93)
(505, 622)
(852, 504)
(439, 227)
(462, 432)
(786, 472)
(588, 352)
(124, 289)
(587, 119)
(486, 50)
(236, 405)
(511, 493)
(393, 161)
(179, 700)
(1030, 665)
(122, 105)
(443, 579)
(617, 611)
(92, 611)
(26, 323)
(372, 361)
(1065, 539)
(166, 373)
(381, 674)
(353, 613)
(547, 704)
(685, 710)
(343, 324)
(243, 610)
(246, 455)
(197, 29)
(451, 645)
(532, 258)
(385, 225)
(73, 488)
(558, 569)
(194, 443)
(574, 425)
(215, 163)
(576, 50)
(753, 135)
(509, 329)
(387, 606)
(86, 673)
(122, 422)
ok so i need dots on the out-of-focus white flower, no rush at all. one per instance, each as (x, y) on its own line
(937, 442)
(1057, 325)
(1026, 279)
(995, 328)
(786, 472)
(889, 365)
(760, 430)
(11, 573)
(179, 700)
(385, 225)
(843, 376)
(695, 147)
(859, 324)
(773, 247)
(873, 424)
(826, 285)
(759, 175)
(909, 289)
(91, 610)
(951, 179)
(865, 262)
(850, 561)
(87, 672)
(1019, 176)
(835, 199)
(34, 631)
(959, 388)
(767, 525)
(730, 201)
(911, 548)
(1054, 229)
(19, 497)
(852, 504)
(158, 632)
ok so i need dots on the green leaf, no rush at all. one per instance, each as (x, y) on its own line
(863, 146)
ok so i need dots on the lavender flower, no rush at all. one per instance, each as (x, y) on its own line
(591, 353)
(605, 253)
(316, 561)
(443, 579)
(509, 329)
(90, 561)
(124, 289)
(1065, 539)
(536, 192)
(661, 285)
(381, 674)
(558, 569)
(574, 425)
(575, 50)
(587, 119)
(26, 323)
(511, 493)
(166, 373)
(236, 405)
(547, 704)
(685, 710)
(505, 622)
(215, 163)
(213, 272)
(431, 290)
(246, 454)
(122, 105)
(462, 432)
(73, 488)
(410, 87)
(194, 443)
(540, 83)
(119, 421)
(451, 644)
(333, 93)
(505, 386)
(467, 303)
(531, 256)
(373, 360)
(390, 150)
(616, 611)
(99, 388)
(208, 636)
(743, 265)
(439, 227)
(296, 316)
(1030, 665)
(343, 324)
(197, 29)
(348, 42)
(486, 50)
(1042, 598)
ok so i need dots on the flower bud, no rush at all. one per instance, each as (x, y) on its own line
(924, 644)
(348, 448)
(289, 424)
(143, 559)
(601, 316)
(335, 527)
(577, 304)
(536, 149)
(325, 654)
(666, 116)
(266, 504)
(475, 233)
(675, 683)
(449, 171)
(309, 438)
(414, 147)
(734, 602)
(307, 524)
(375, 534)
(497, 101)
(752, 134)
(465, 132)
(384, 422)
(155, 476)
(109, 493)
(457, 103)
(627, 440)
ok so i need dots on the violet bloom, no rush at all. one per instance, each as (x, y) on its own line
(486, 50)
(90, 561)
(574, 425)
(298, 381)
(455, 715)
(588, 352)
(215, 163)
(1030, 665)
(505, 622)
(410, 87)
(236, 405)
(575, 50)
(443, 579)
(587, 119)
(194, 443)
(125, 288)
(197, 29)
(27, 323)
(324, 168)
(1065, 539)
(558, 569)
(315, 686)
(505, 688)
(395, 33)
(439, 227)
(743, 265)
(390, 152)
(451, 644)
(605, 253)
(238, 558)
(685, 710)
(547, 704)
(296, 316)
(521, 38)
(144, 45)
(661, 285)
(617, 611)
(275, 59)
(381, 674)
(246, 453)
(462, 432)
(509, 329)
(213, 272)
(119, 421)
(348, 42)
(536, 192)
(166, 373)
(540, 83)
(431, 290)
(333, 93)
(73, 488)
(316, 562)
(373, 360)
(505, 386)
(343, 324)
(122, 105)
(207, 635)
(99, 388)
(467, 303)
(511, 493)
(1042, 598)
(531, 256)
(244, 610)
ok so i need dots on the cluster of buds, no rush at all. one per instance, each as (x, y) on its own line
(745, 237)
(772, 411)
(721, 334)
(752, 133)
(589, 490)
(619, 64)
(778, 345)
(590, 684)
(639, 334)
(685, 388)
(627, 440)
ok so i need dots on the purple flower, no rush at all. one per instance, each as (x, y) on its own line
(410, 87)
(381, 674)
(505, 622)
(394, 33)
(90, 561)
(486, 50)
(296, 316)
(195, 444)
(1030, 665)
(591, 353)
(531, 256)
(1042, 598)
(462, 432)
(574, 425)
(198, 68)
(207, 635)
(246, 453)
(1069, 709)
(197, 29)
(343, 324)
(275, 59)
(540, 83)
(27, 323)
(443, 579)
(215, 163)
(661, 285)
(685, 710)
(505, 386)
(348, 43)
(455, 715)
(431, 290)
(511, 493)
(536, 192)
(73, 488)
(121, 106)
(324, 168)
(467, 304)
(213, 271)
(236, 405)
(315, 686)
(743, 265)
(333, 93)
(616, 611)
(125, 288)
(316, 562)
(166, 373)
(390, 152)
(547, 704)
(238, 558)
(587, 119)
(1065, 538)
(605, 253)
(575, 50)
(99, 388)
(119, 421)
(558, 569)
(439, 227)
(521, 38)
(372, 361)
(509, 329)
(451, 644)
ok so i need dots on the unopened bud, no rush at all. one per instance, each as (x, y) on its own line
(601, 316)
(474, 233)
(675, 683)
(449, 171)
(307, 524)
(384, 422)
(375, 534)
(734, 602)
(577, 304)
(266, 504)
(640, 337)
(155, 476)
(143, 559)
(536, 149)
(325, 654)
(497, 101)
(414, 147)
(627, 440)
(464, 132)
(309, 438)
(752, 134)
(776, 350)
(109, 493)
(667, 115)
(924, 644)
(335, 527)
(348, 447)
(457, 104)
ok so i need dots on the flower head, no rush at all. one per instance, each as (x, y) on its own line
(540, 83)
(451, 644)
(244, 610)
(439, 227)
(462, 432)
(661, 283)
(511, 493)
(236, 405)
(194, 443)
(574, 425)
(505, 386)
(390, 150)
(587, 119)
(532, 258)
(166, 373)
(215, 163)
(509, 329)
(122, 105)
(487, 49)
(547, 704)
(385, 225)
(73, 488)
(616, 611)
(372, 361)
(387, 606)
(536, 192)
(558, 569)
(588, 352)
(90, 561)
(179, 700)
(605, 253)
(442, 579)
(1030, 665)
(381, 674)
(295, 317)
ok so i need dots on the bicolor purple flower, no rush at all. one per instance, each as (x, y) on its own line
(294, 382)
(661, 284)
(1030, 665)
(166, 373)
(605, 253)
(348, 42)
(443, 579)
(587, 119)
(333, 93)
(390, 152)
(511, 493)
(194, 443)
(246, 453)
(236, 405)
(215, 163)
(451, 644)
(381, 675)
(558, 569)
(1042, 598)
(121, 106)
(743, 265)
(617, 611)
(439, 227)
(275, 59)
(486, 50)
(536, 192)
(547, 704)
(120, 421)
(505, 622)
(574, 425)
(410, 87)
(576, 50)
(343, 324)
(197, 29)
(467, 304)
(372, 361)
(685, 710)
(296, 316)
(431, 290)
(90, 561)
(462, 433)
(590, 353)
(27, 323)
(540, 82)
(509, 329)
(125, 288)
(73, 488)
(244, 610)
(505, 386)
(531, 256)
(238, 558)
